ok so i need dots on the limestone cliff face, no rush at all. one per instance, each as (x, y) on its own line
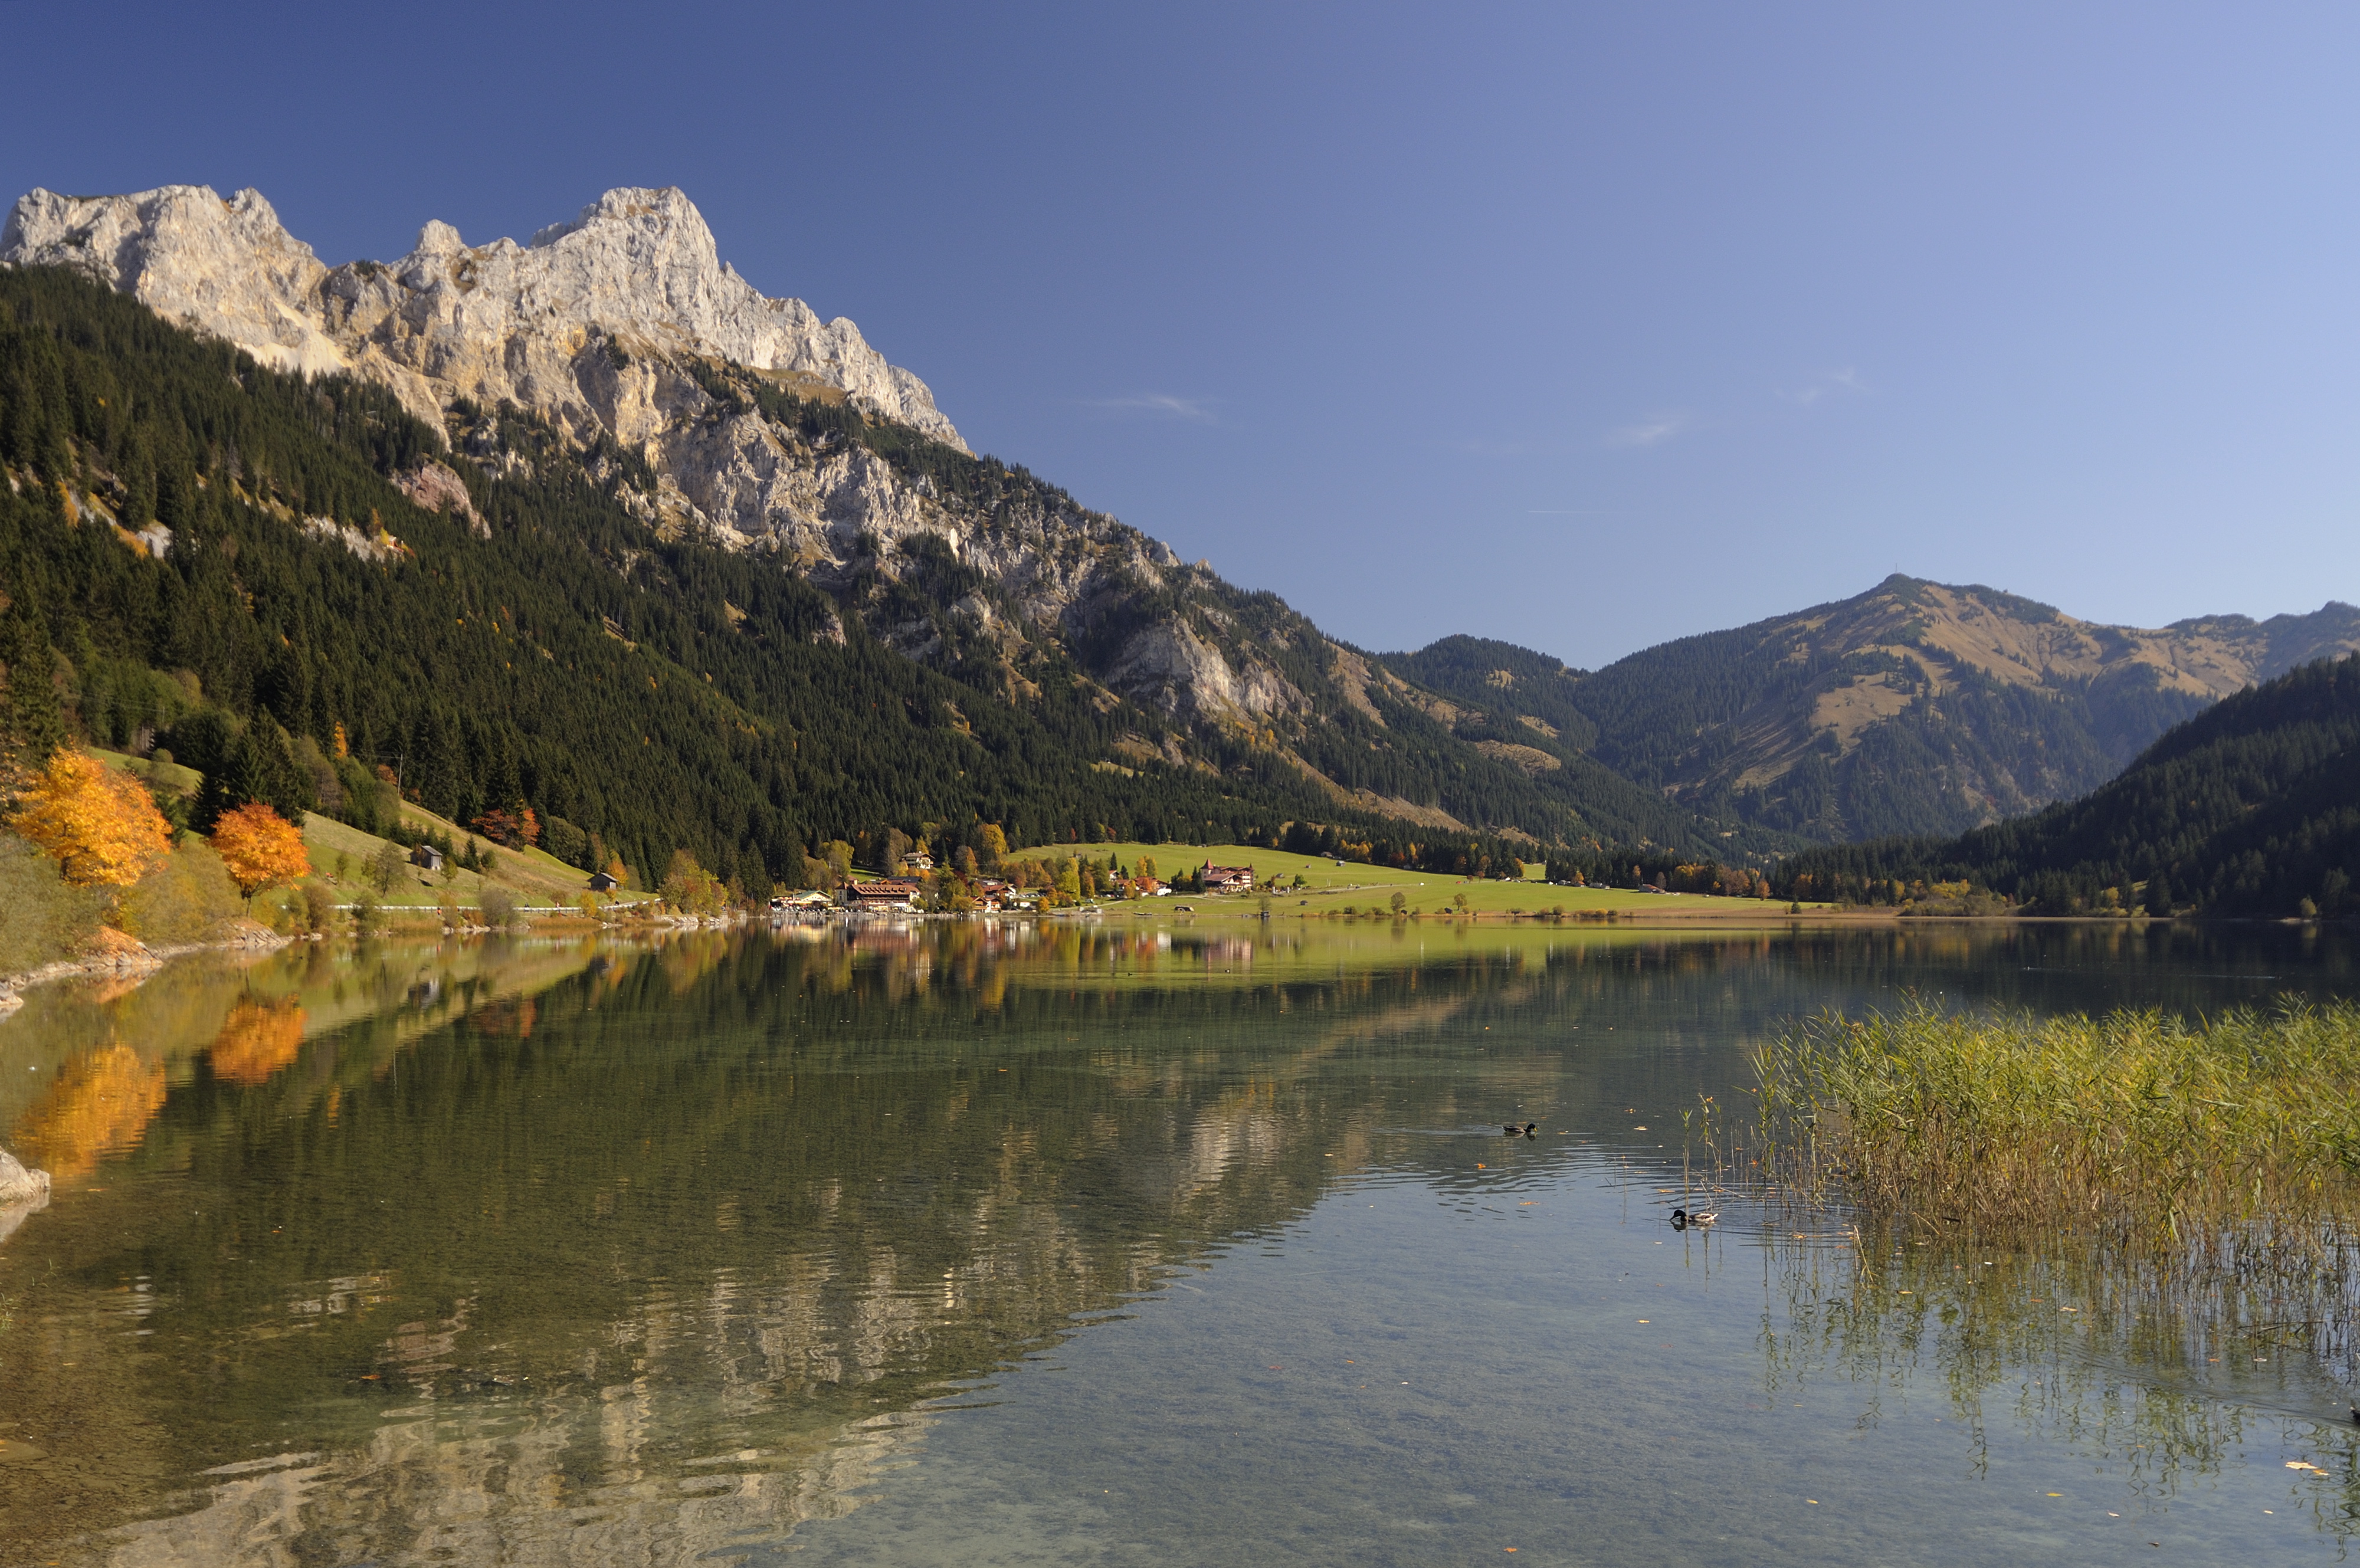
(496, 321)
(625, 326)
(225, 268)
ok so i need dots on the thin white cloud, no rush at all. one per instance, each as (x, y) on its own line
(1827, 384)
(1199, 410)
(1648, 432)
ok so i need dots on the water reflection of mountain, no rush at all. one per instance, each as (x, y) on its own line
(657, 1251)
(680, 1242)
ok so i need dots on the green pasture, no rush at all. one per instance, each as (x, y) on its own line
(1330, 887)
(534, 876)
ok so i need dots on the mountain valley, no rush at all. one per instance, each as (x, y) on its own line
(778, 510)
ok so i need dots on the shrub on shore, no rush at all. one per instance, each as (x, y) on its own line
(188, 899)
(47, 917)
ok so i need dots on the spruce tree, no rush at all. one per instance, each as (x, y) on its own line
(34, 727)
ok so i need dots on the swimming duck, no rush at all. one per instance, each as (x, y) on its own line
(1512, 1130)
(1682, 1219)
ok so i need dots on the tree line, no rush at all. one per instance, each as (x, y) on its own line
(2250, 807)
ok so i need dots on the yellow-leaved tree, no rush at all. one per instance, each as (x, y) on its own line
(260, 847)
(100, 826)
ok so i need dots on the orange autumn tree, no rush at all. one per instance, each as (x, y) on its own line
(260, 847)
(101, 827)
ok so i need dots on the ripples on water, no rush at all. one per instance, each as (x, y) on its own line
(981, 1243)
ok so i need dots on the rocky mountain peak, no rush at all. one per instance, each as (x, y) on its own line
(492, 322)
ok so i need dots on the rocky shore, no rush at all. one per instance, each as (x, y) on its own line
(114, 953)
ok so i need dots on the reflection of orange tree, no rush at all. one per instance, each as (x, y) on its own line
(258, 1039)
(687, 959)
(101, 1101)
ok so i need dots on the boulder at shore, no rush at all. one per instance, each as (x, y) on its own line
(19, 1186)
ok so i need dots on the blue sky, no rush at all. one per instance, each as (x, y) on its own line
(1582, 326)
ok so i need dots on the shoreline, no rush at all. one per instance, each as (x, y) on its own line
(131, 957)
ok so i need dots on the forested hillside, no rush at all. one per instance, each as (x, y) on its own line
(203, 554)
(710, 414)
(1210, 673)
(188, 541)
(1524, 708)
(2251, 807)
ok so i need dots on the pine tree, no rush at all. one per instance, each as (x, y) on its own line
(33, 726)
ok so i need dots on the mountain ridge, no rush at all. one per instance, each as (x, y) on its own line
(1913, 707)
(230, 267)
(2250, 807)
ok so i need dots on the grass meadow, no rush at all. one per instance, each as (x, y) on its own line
(1332, 887)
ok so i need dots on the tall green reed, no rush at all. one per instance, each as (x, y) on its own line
(2138, 1123)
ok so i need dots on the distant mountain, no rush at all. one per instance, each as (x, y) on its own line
(2251, 807)
(1915, 707)
(1519, 707)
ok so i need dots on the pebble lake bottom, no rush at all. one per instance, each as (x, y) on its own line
(986, 1244)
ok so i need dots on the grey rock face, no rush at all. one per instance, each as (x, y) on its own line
(637, 267)
(1169, 666)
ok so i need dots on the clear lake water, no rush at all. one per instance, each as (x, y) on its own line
(988, 1243)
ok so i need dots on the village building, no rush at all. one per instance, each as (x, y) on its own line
(426, 857)
(882, 893)
(602, 882)
(1225, 878)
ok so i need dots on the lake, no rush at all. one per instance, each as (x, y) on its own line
(1000, 1242)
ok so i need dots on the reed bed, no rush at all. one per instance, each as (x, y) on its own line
(2222, 1136)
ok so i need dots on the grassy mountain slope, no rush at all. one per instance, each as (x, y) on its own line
(2251, 807)
(1915, 707)
(1524, 708)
